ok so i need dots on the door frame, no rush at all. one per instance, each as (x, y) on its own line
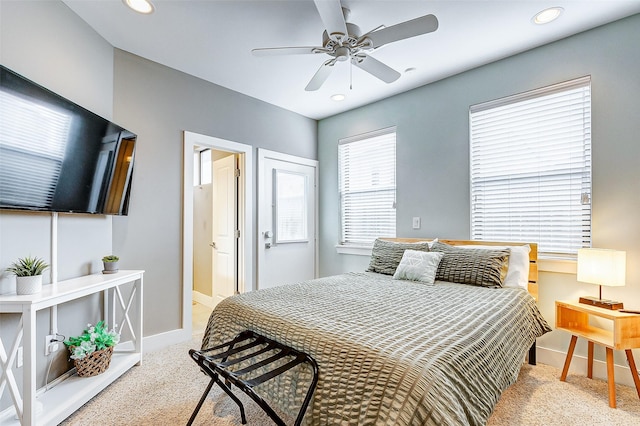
(245, 216)
(262, 155)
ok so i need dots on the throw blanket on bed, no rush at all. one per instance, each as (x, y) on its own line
(390, 352)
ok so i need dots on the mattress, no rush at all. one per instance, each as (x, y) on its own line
(389, 351)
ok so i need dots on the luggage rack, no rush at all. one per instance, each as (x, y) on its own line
(216, 365)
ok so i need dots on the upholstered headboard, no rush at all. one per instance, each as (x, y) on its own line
(533, 254)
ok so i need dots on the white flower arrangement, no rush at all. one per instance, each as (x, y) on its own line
(94, 338)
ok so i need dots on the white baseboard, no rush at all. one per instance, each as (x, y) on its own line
(203, 299)
(162, 340)
(556, 359)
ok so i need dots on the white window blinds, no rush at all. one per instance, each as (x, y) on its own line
(32, 143)
(531, 168)
(367, 185)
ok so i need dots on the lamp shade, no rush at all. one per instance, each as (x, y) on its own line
(602, 266)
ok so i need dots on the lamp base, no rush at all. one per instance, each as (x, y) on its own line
(601, 303)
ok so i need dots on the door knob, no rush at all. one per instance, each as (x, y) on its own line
(213, 244)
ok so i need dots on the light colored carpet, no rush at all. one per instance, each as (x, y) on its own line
(166, 387)
(164, 390)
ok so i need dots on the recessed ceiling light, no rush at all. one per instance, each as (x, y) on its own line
(140, 6)
(547, 15)
(338, 97)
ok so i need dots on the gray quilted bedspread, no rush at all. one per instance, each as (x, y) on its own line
(390, 352)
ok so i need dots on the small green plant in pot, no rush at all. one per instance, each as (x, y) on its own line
(91, 351)
(110, 264)
(28, 271)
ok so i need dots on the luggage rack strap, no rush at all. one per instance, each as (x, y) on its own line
(215, 363)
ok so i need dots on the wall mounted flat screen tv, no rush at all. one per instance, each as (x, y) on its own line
(57, 156)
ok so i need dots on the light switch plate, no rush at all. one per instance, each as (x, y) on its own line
(416, 223)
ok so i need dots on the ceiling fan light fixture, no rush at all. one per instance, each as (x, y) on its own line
(547, 15)
(342, 54)
(140, 6)
(338, 97)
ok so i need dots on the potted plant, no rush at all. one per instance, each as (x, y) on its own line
(91, 351)
(110, 264)
(28, 271)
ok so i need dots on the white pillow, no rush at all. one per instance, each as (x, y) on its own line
(518, 272)
(418, 266)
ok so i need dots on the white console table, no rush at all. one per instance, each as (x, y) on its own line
(69, 395)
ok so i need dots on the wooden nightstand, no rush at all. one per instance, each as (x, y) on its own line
(574, 318)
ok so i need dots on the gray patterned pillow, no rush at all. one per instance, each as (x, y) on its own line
(386, 255)
(418, 266)
(481, 267)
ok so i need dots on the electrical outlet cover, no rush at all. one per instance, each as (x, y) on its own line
(49, 344)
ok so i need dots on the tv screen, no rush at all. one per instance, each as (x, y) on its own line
(57, 156)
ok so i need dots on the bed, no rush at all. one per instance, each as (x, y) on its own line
(393, 351)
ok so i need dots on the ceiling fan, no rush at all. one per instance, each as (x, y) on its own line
(343, 41)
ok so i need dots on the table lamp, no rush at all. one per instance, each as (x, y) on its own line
(602, 267)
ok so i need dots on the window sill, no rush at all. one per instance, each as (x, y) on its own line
(355, 250)
(557, 265)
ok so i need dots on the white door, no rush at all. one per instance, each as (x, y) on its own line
(287, 221)
(202, 238)
(224, 227)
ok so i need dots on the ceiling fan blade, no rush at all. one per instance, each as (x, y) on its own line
(376, 68)
(271, 51)
(415, 27)
(365, 35)
(320, 76)
(332, 18)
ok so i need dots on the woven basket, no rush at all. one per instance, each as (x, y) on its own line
(94, 364)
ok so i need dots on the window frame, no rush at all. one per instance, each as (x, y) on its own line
(345, 247)
(564, 88)
(279, 207)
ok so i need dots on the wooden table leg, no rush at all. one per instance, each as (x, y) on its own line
(567, 361)
(611, 379)
(634, 370)
(590, 360)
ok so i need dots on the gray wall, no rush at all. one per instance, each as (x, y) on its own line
(433, 154)
(46, 42)
(158, 103)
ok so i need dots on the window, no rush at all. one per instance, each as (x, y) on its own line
(290, 201)
(531, 168)
(367, 186)
(202, 167)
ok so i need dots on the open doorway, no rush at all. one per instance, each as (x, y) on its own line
(217, 246)
(215, 225)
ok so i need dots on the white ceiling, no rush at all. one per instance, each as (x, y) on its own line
(212, 40)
